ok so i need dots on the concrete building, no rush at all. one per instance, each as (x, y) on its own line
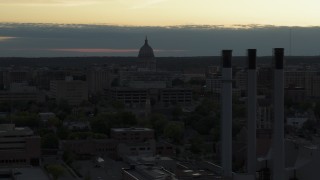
(90, 147)
(165, 149)
(264, 80)
(99, 78)
(212, 70)
(132, 134)
(73, 91)
(123, 142)
(139, 96)
(309, 80)
(134, 148)
(19, 146)
(128, 95)
(241, 79)
(134, 141)
(144, 172)
(164, 168)
(213, 84)
(295, 94)
(264, 114)
(145, 79)
(15, 75)
(316, 85)
(22, 87)
(22, 92)
(295, 78)
(175, 96)
(150, 84)
(43, 77)
(21, 96)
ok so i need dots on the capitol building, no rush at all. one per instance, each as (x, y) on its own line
(146, 57)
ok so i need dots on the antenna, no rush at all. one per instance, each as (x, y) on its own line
(290, 43)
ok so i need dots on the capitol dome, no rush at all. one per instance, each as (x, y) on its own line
(146, 51)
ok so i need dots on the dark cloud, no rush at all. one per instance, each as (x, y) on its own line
(189, 40)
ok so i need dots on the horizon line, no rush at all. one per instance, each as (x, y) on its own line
(199, 56)
(200, 26)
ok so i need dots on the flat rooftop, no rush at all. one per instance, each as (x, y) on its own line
(130, 129)
(34, 173)
(149, 158)
(143, 172)
(11, 129)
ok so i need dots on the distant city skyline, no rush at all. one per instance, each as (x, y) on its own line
(57, 40)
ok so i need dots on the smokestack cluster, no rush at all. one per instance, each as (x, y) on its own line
(278, 171)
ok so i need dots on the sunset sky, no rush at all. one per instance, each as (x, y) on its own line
(33, 28)
(163, 12)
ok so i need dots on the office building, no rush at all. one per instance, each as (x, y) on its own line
(19, 146)
(73, 91)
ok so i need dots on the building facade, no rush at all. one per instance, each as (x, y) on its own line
(99, 78)
(19, 146)
(132, 134)
(90, 147)
(73, 91)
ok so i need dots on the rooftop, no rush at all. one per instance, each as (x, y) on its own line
(133, 129)
(25, 173)
(7, 129)
(143, 172)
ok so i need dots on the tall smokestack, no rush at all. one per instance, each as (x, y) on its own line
(278, 154)
(227, 114)
(252, 112)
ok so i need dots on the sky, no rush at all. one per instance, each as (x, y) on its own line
(34, 28)
(163, 12)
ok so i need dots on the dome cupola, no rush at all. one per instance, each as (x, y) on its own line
(146, 51)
